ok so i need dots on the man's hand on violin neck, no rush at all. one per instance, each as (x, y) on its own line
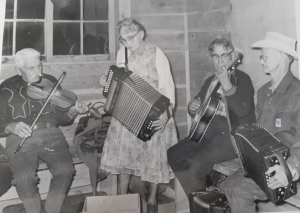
(21, 129)
(79, 108)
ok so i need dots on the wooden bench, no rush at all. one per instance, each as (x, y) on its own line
(80, 184)
(229, 167)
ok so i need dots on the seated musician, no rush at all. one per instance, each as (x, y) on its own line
(44, 141)
(123, 153)
(191, 161)
(278, 110)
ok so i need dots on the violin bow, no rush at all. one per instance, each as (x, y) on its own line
(61, 78)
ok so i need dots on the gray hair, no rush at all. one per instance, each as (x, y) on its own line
(132, 25)
(23, 55)
(222, 42)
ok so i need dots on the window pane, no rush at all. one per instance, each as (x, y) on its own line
(7, 38)
(95, 40)
(30, 34)
(66, 39)
(66, 10)
(9, 10)
(95, 10)
(31, 9)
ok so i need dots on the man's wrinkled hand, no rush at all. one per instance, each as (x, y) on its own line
(20, 128)
(279, 179)
(223, 77)
(194, 105)
(79, 108)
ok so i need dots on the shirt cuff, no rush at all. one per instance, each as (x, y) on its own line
(230, 92)
(294, 163)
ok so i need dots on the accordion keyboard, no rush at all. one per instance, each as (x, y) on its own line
(258, 150)
(133, 102)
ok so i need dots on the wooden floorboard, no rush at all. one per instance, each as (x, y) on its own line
(72, 204)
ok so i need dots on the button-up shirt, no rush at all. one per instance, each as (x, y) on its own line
(279, 112)
(239, 100)
(16, 106)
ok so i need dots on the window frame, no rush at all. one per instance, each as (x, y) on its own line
(48, 35)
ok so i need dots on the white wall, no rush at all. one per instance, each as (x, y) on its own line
(251, 20)
(2, 13)
(297, 11)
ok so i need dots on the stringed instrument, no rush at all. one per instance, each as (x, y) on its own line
(210, 105)
(61, 97)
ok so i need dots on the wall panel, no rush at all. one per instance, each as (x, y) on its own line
(204, 5)
(250, 22)
(164, 7)
(207, 20)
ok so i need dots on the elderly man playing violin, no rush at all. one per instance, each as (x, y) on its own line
(44, 140)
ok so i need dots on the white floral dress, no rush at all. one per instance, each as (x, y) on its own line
(124, 153)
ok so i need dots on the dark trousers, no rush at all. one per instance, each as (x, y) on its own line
(191, 161)
(50, 146)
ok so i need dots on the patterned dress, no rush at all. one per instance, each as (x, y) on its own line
(124, 153)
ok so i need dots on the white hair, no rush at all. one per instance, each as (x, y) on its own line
(23, 55)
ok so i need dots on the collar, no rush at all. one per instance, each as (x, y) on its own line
(285, 82)
(18, 82)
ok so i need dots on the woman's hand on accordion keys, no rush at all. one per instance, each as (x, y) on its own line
(161, 122)
(279, 179)
(103, 80)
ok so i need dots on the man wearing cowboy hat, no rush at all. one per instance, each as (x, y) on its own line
(278, 110)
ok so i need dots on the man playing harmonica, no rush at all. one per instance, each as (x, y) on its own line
(278, 110)
(191, 161)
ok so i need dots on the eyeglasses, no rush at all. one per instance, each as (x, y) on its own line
(224, 56)
(263, 57)
(130, 38)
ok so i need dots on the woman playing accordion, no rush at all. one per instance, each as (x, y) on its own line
(123, 153)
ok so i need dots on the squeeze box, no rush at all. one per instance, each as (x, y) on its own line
(258, 150)
(133, 102)
(202, 201)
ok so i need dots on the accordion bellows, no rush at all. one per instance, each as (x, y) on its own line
(258, 150)
(133, 102)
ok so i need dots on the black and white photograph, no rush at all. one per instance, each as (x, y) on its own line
(149, 106)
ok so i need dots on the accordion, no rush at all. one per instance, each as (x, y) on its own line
(202, 201)
(258, 150)
(133, 102)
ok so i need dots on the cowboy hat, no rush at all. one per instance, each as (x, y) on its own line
(279, 42)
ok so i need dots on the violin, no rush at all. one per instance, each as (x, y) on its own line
(40, 93)
(48, 91)
(61, 97)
